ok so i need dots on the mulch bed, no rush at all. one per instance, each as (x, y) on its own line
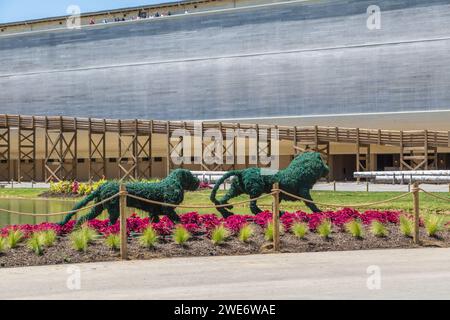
(62, 253)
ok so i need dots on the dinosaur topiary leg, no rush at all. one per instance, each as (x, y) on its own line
(306, 194)
(254, 207)
(114, 213)
(171, 213)
(94, 213)
(232, 193)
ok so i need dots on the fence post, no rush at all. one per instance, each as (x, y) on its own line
(334, 185)
(276, 217)
(367, 186)
(123, 223)
(415, 192)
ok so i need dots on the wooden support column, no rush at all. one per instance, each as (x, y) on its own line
(97, 152)
(144, 153)
(169, 149)
(127, 161)
(5, 153)
(26, 164)
(60, 150)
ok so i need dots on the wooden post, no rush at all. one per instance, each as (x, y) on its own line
(367, 186)
(123, 223)
(276, 218)
(415, 192)
(334, 186)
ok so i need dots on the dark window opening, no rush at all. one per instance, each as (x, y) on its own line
(158, 159)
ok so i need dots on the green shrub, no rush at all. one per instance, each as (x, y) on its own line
(47, 237)
(79, 240)
(355, 228)
(181, 235)
(34, 244)
(219, 235)
(434, 224)
(378, 229)
(324, 229)
(113, 241)
(149, 237)
(14, 237)
(245, 233)
(300, 229)
(406, 226)
(3, 243)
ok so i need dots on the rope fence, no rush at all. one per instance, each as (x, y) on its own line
(275, 194)
(363, 205)
(435, 195)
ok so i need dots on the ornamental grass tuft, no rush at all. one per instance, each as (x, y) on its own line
(355, 228)
(79, 240)
(245, 233)
(14, 238)
(268, 232)
(300, 229)
(406, 226)
(378, 229)
(113, 241)
(324, 229)
(89, 233)
(219, 234)
(149, 237)
(3, 244)
(34, 244)
(47, 237)
(433, 224)
(181, 235)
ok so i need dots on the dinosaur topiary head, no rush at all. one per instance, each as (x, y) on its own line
(187, 179)
(313, 167)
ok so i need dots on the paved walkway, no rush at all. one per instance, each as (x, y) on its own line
(378, 274)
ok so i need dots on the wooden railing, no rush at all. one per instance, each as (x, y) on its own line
(431, 138)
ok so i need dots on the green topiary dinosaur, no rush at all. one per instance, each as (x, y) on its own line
(298, 179)
(169, 190)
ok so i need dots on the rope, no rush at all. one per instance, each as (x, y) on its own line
(434, 195)
(199, 207)
(340, 205)
(59, 213)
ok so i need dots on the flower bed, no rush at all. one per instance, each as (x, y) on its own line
(348, 230)
(201, 224)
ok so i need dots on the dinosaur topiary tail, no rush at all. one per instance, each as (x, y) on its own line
(80, 205)
(225, 213)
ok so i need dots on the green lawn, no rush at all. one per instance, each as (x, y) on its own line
(428, 204)
(21, 192)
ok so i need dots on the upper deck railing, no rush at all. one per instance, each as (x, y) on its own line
(299, 134)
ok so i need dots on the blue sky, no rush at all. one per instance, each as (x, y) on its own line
(18, 10)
